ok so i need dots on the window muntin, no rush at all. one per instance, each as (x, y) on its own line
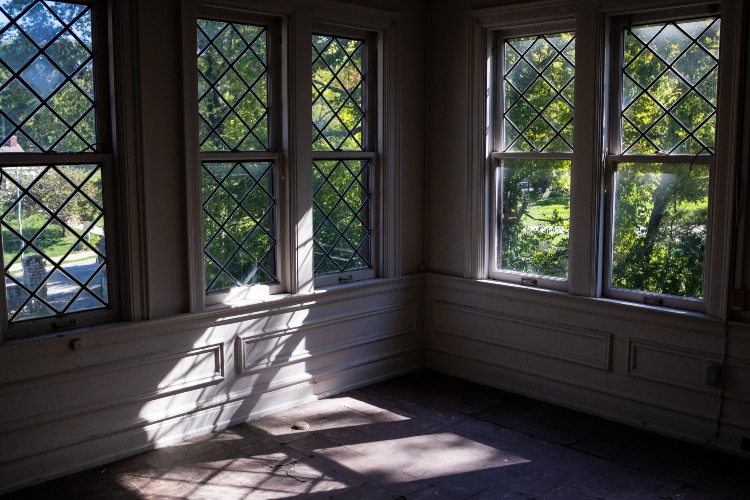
(239, 224)
(538, 87)
(54, 99)
(341, 215)
(236, 136)
(669, 87)
(53, 240)
(232, 86)
(338, 93)
(532, 169)
(47, 77)
(344, 145)
(658, 184)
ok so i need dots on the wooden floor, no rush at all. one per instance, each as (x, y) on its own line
(422, 436)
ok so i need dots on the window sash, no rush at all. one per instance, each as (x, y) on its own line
(102, 156)
(272, 154)
(78, 319)
(498, 153)
(615, 157)
(371, 145)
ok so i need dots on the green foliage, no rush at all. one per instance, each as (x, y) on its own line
(535, 216)
(669, 87)
(337, 94)
(42, 110)
(661, 212)
(232, 86)
(54, 189)
(341, 215)
(239, 225)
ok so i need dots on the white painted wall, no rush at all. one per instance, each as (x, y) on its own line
(638, 365)
(175, 374)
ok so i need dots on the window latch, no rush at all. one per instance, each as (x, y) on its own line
(528, 281)
(653, 301)
(346, 279)
(69, 324)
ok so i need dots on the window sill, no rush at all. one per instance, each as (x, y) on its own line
(594, 306)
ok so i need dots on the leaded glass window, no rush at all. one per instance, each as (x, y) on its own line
(538, 87)
(238, 169)
(53, 240)
(343, 143)
(46, 76)
(660, 180)
(341, 215)
(669, 87)
(337, 94)
(239, 224)
(232, 86)
(533, 161)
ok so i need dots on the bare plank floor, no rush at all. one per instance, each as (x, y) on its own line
(421, 436)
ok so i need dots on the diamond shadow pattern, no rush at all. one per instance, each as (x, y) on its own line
(53, 240)
(46, 76)
(669, 87)
(538, 93)
(238, 223)
(232, 87)
(337, 94)
(341, 215)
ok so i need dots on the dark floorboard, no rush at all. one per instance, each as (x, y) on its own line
(421, 436)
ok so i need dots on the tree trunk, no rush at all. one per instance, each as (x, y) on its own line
(662, 197)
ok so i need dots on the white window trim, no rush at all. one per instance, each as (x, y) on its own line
(294, 184)
(587, 185)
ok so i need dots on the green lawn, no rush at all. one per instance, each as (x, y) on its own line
(545, 209)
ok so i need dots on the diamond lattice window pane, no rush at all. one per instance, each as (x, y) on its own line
(232, 83)
(341, 215)
(239, 227)
(337, 94)
(53, 240)
(669, 87)
(538, 93)
(46, 77)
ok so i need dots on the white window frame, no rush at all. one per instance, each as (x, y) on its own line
(593, 22)
(294, 195)
(370, 145)
(274, 153)
(496, 155)
(112, 172)
(614, 156)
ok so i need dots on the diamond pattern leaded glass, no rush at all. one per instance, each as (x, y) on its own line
(669, 86)
(538, 93)
(46, 77)
(53, 240)
(232, 86)
(341, 215)
(337, 93)
(238, 223)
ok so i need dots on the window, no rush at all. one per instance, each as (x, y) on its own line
(55, 207)
(533, 161)
(238, 132)
(344, 144)
(661, 145)
(623, 205)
